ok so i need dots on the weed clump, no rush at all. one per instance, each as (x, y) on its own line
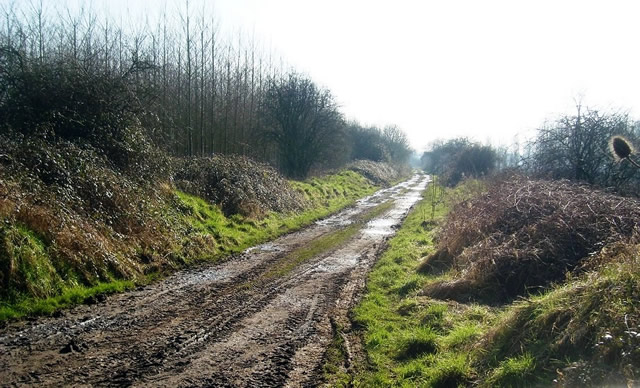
(513, 372)
(523, 235)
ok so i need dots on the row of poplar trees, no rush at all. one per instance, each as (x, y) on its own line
(193, 91)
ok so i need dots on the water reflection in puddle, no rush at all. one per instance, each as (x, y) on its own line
(338, 263)
(408, 195)
(266, 247)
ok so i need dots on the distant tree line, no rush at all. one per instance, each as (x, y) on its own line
(177, 83)
(459, 158)
(574, 147)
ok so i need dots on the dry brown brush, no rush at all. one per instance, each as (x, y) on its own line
(378, 172)
(524, 234)
(70, 216)
(238, 184)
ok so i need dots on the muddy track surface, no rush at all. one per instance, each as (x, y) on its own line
(225, 325)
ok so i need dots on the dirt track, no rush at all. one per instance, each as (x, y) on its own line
(225, 325)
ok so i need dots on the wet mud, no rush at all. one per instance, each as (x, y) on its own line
(224, 325)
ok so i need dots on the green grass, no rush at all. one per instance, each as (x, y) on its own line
(25, 263)
(315, 247)
(326, 195)
(590, 321)
(325, 243)
(514, 372)
(69, 297)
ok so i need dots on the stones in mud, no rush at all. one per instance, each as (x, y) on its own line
(74, 346)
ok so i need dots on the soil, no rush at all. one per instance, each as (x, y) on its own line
(224, 325)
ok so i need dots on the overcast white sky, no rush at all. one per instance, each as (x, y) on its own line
(438, 69)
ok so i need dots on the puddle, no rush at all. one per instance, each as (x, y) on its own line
(337, 263)
(266, 247)
(408, 193)
(402, 191)
(380, 227)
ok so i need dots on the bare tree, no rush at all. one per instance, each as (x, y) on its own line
(397, 144)
(575, 147)
(303, 121)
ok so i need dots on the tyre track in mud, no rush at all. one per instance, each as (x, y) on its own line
(214, 325)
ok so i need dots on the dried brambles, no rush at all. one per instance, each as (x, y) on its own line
(524, 234)
(379, 173)
(238, 184)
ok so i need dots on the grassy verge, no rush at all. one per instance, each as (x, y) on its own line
(326, 195)
(69, 297)
(209, 235)
(580, 332)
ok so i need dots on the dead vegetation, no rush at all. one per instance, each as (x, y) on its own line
(523, 235)
(377, 172)
(238, 184)
(70, 217)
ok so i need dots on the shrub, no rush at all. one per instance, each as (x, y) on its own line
(377, 172)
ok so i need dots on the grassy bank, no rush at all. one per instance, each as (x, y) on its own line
(201, 232)
(581, 331)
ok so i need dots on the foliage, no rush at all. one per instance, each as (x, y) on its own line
(69, 218)
(69, 101)
(581, 331)
(406, 336)
(175, 84)
(397, 144)
(371, 143)
(366, 143)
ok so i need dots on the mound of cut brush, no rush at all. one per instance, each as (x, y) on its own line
(377, 172)
(238, 184)
(523, 235)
